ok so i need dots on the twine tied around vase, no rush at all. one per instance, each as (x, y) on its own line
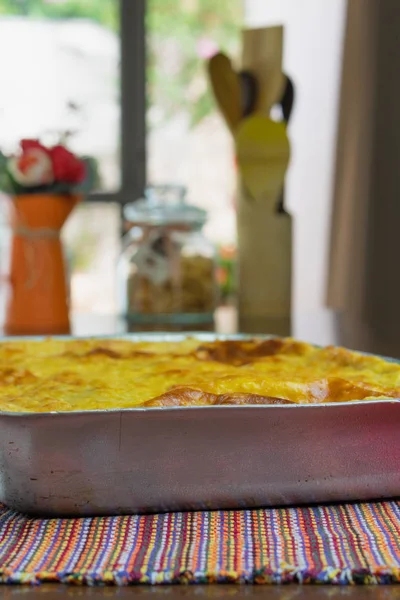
(32, 235)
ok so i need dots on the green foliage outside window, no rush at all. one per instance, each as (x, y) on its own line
(176, 28)
(180, 27)
(102, 11)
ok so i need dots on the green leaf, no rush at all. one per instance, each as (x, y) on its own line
(201, 108)
(92, 179)
(7, 185)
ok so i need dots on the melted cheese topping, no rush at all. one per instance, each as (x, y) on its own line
(53, 375)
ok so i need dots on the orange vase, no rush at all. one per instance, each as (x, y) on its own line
(38, 303)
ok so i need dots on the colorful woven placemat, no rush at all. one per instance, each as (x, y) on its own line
(355, 543)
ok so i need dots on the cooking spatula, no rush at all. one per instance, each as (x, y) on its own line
(262, 56)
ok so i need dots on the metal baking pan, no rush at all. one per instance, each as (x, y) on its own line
(169, 459)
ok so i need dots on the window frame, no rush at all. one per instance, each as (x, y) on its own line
(133, 104)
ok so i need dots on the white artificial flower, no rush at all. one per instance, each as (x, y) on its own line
(31, 168)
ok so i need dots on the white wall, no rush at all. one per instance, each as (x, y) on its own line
(312, 57)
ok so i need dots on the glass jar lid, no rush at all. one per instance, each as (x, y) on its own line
(164, 205)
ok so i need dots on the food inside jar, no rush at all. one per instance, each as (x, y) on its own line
(188, 287)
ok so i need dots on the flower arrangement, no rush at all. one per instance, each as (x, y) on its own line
(46, 170)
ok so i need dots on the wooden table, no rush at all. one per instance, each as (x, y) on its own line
(319, 328)
(234, 592)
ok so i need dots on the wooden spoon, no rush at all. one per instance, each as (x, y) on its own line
(226, 88)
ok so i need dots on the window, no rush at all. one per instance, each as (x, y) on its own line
(62, 75)
(67, 63)
(80, 67)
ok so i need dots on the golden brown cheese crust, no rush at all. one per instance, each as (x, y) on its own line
(54, 375)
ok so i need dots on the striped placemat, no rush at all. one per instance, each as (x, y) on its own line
(353, 543)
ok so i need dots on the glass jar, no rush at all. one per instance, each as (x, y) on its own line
(166, 270)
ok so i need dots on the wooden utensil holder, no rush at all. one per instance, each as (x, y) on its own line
(264, 234)
(264, 268)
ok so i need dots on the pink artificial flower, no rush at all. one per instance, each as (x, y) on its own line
(28, 144)
(206, 48)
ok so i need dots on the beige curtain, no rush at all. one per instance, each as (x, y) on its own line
(364, 276)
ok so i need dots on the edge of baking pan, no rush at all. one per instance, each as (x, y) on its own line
(202, 337)
(155, 409)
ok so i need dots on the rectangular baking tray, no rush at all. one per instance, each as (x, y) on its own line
(221, 457)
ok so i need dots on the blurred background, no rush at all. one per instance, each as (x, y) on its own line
(61, 69)
(127, 80)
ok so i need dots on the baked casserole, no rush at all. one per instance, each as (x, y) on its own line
(93, 374)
